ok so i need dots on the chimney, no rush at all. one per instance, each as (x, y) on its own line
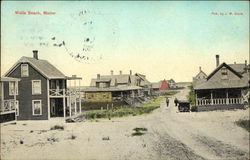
(120, 72)
(112, 72)
(35, 54)
(130, 72)
(246, 69)
(200, 68)
(217, 60)
(98, 76)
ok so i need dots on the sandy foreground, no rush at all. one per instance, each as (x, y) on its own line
(171, 136)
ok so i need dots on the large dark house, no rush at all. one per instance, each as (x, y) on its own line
(226, 87)
(41, 89)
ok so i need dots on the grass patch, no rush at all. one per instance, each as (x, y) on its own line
(57, 127)
(170, 93)
(128, 111)
(53, 139)
(139, 131)
(244, 124)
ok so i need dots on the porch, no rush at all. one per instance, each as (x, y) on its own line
(215, 97)
(8, 104)
(64, 101)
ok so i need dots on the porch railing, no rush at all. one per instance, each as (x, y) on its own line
(56, 92)
(218, 101)
(7, 105)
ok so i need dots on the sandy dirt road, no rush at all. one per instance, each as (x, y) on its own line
(170, 136)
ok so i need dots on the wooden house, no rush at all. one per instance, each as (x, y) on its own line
(42, 89)
(112, 88)
(121, 85)
(201, 76)
(224, 88)
(172, 84)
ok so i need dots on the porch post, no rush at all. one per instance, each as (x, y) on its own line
(2, 94)
(212, 98)
(15, 91)
(75, 104)
(48, 99)
(227, 101)
(196, 100)
(75, 96)
(64, 108)
(70, 103)
(80, 105)
(69, 99)
(241, 96)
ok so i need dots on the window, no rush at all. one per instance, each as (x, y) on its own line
(224, 73)
(37, 107)
(12, 88)
(17, 108)
(36, 87)
(24, 70)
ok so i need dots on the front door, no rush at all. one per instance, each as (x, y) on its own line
(52, 107)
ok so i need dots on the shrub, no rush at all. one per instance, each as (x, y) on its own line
(244, 124)
(137, 133)
(57, 127)
(52, 139)
(125, 111)
(194, 109)
(170, 93)
(72, 137)
(191, 96)
(140, 129)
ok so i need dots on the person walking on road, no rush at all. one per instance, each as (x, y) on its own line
(167, 101)
(176, 101)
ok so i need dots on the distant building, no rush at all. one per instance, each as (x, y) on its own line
(161, 85)
(122, 87)
(172, 83)
(201, 76)
(224, 88)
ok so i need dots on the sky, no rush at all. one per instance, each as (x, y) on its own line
(160, 39)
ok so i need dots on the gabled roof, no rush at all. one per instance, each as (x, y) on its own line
(121, 79)
(221, 84)
(223, 65)
(144, 81)
(238, 67)
(243, 80)
(42, 66)
(114, 79)
(201, 72)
